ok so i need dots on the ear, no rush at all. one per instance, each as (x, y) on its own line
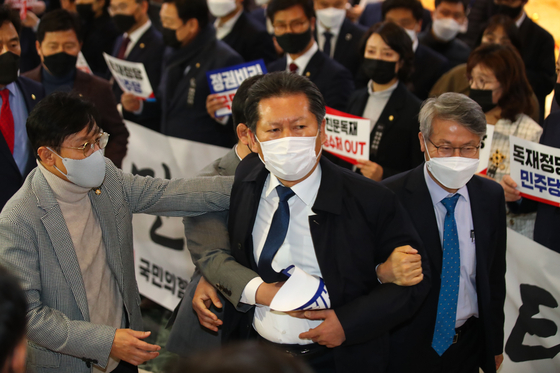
(145, 6)
(422, 142)
(192, 25)
(46, 156)
(312, 21)
(419, 26)
(253, 145)
(243, 133)
(38, 47)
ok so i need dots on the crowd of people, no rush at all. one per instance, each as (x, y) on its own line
(409, 244)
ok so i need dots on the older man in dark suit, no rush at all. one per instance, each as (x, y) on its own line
(58, 45)
(461, 220)
(329, 222)
(18, 96)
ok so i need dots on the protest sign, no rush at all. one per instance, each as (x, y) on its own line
(347, 136)
(485, 146)
(162, 264)
(130, 76)
(536, 170)
(81, 64)
(532, 341)
(225, 81)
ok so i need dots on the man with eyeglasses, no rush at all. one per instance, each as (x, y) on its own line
(67, 235)
(294, 25)
(461, 221)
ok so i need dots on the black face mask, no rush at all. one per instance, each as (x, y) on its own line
(294, 43)
(557, 93)
(9, 66)
(170, 38)
(381, 72)
(124, 22)
(483, 97)
(60, 64)
(85, 11)
(509, 11)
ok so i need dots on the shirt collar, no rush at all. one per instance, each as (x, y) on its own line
(521, 19)
(438, 193)
(229, 24)
(388, 92)
(12, 88)
(302, 60)
(321, 29)
(305, 190)
(135, 35)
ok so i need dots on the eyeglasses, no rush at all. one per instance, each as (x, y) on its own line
(296, 26)
(88, 147)
(448, 151)
(483, 84)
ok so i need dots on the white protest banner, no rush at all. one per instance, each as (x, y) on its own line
(536, 170)
(163, 265)
(485, 146)
(82, 64)
(531, 340)
(225, 81)
(130, 76)
(347, 136)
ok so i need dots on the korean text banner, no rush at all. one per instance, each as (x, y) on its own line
(347, 136)
(536, 170)
(225, 81)
(163, 265)
(130, 76)
(531, 338)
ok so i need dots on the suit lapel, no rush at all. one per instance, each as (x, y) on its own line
(229, 162)
(480, 223)
(390, 113)
(343, 41)
(56, 228)
(140, 46)
(314, 66)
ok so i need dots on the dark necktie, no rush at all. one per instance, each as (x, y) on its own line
(276, 236)
(7, 119)
(293, 68)
(327, 45)
(450, 274)
(122, 49)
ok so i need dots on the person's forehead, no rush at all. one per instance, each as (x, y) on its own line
(284, 109)
(60, 36)
(8, 31)
(85, 134)
(455, 7)
(399, 13)
(169, 10)
(287, 15)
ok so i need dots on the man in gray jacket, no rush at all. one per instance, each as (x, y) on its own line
(67, 235)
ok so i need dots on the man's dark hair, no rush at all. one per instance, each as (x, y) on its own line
(282, 84)
(464, 2)
(415, 6)
(398, 40)
(509, 27)
(7, 14)
(188, 9)
(58, 20)
(238, 102)
(278, 5)
(13, 311)
(58, 116)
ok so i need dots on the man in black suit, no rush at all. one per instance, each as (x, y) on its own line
(192, 51)
(537, 50)
(18, 96)
(461, 220)
(139, 42)
(373, 13)
(429, 65)
(242, 32)
(294, 24)
(449, 18)
(337, 36)
(330, 223)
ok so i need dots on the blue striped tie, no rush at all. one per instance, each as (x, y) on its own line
(276, 236)
(450, 274)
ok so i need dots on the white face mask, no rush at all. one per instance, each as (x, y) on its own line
(412, 34)
(290, 158)
(88, 172)
(445, 28)
(452, 172)
(221, 8)
(331, 17)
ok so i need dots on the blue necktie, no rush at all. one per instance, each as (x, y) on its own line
(327, 46)
(450, 274)
(276, 236)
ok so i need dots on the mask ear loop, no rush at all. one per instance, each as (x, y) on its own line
(58, 169)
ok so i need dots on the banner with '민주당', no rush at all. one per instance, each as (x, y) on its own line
(536, 170)
(130, 76)
(348, 136)
(163, 265)
(225, 81)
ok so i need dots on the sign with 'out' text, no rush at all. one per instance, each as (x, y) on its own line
(348, 136)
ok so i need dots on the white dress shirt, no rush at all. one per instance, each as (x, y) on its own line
(135, 35)
(376, 103)
(302, 60)
(297, 249)
(467, 304)
(321, 37)
(521, 19)
(224, 29)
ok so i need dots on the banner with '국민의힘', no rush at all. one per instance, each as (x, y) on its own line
(348, 136)
(163, 265)
(536, 170)
(225, 81)
(532, 317)
(130, 76)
